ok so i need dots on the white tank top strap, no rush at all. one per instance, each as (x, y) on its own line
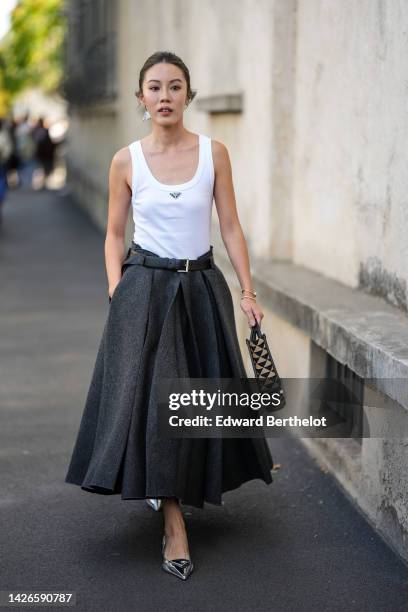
(135, 165)
(209, 159)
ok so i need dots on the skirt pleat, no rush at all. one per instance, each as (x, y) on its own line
(162, 324)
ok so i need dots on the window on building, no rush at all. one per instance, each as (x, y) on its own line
(349, 395)
(90, 52)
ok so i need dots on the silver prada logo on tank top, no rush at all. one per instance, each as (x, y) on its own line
(175, 194)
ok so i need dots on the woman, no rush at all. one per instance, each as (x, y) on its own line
(171, 315)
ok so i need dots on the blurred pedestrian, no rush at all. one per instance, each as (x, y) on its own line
(44, 148)
(14, 159)
(6, 148)
(25, 150)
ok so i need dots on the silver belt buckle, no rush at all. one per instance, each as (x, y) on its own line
(186, 268)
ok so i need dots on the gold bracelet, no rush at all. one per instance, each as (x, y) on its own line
(248, 297)
(249, 291)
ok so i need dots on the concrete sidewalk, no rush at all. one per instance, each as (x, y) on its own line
(298, 544)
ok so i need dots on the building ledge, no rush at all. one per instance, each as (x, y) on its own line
(96, 109)
(362, 331)
(221, 103)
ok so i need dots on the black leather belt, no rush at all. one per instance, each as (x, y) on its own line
(168, 263)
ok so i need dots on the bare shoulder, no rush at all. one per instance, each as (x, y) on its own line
(121, 159)
(220, 155)
(121, 165)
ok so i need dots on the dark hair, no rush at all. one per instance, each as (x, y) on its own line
(170, 58)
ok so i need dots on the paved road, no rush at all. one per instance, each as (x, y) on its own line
(297, 544)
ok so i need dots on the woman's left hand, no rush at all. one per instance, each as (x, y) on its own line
(252, 310)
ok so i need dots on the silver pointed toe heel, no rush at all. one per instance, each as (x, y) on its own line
(156, 504)
(181, 568)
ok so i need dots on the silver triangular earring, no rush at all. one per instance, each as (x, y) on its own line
(146, 115)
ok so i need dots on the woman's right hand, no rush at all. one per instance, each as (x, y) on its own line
(111, 291)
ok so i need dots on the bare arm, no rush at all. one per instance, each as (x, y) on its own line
(230, 227)
(118, 210)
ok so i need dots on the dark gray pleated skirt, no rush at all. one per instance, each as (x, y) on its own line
(160, 324)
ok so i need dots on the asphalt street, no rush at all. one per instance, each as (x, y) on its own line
(297, 544)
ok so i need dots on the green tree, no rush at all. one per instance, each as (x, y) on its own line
(31, 53)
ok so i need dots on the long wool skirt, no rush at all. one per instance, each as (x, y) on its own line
(162, 324)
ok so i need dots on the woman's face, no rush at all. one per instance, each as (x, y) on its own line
(164, 85)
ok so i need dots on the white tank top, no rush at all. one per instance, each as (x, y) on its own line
(173, 220)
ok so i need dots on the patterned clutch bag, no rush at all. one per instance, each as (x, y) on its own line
(263, 364)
